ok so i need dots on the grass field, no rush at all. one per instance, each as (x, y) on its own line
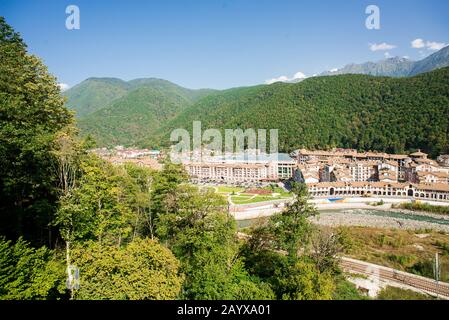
(409, 251)
(241, 196)
(425, 207)
(224, 189)
(392, 293)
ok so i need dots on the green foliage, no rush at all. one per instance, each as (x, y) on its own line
(31, 113)
(350, 111)
(165, 184)
(278, 253)
(417, 206)
(103, 206)
(194, 223)
(303, 281)
(291, 227)
(141, 270)
(402, 260)
(29, 274)
(346, 290)
(393, 293)
(94, 94)
(118, 112)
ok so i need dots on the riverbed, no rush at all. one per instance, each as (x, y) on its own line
(379, 218)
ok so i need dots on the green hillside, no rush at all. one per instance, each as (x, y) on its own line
(94, 94)
(354, 111)
(133, 116)
(114, 111)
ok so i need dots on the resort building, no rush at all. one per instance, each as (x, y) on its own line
(436, 192)
(303, 155)
(363, 171)
(242, 169)
(349, 173)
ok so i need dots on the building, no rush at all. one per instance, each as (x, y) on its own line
(424, 170)
(436, 192)
(346, 172)
(303, 155)
(432, 177)
(363, 170)
(121, 155)
(242, 169)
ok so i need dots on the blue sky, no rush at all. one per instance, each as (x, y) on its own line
(221, 44)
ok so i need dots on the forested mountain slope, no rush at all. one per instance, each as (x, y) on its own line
(118, 112)
(94, 93)
(354, 111)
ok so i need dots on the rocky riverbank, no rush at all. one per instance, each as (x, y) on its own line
(363, 218)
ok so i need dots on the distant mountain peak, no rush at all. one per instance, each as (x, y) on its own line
(395, 66)
(397, 59)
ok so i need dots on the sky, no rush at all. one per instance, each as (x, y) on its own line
(222, 43)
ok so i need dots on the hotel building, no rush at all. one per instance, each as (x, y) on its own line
(242, 169)
(349, 173)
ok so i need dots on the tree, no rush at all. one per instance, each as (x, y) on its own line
(144, 179)
(166, 183)
(303, 281)
(30, 274)
(101, 206)
(326, 245)
(68, 155)
(290, 230)
(196, 226)
(278, 252)
(141, 270)
(32, 111)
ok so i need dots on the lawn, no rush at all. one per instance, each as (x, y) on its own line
(240, 195)
(225, 189)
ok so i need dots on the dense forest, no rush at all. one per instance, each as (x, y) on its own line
(127, 232)
(119, 112)
(352, 111)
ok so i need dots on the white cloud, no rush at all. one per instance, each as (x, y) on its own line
(381, 46)
(333, 70)
(298, 76)
(435, 46)
(418, 43)
(429, 45)
(279, 79)
(63, 86)
(387, 55)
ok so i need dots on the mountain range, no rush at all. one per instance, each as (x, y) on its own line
(396, 66)
(115, 112)
(357, 111)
